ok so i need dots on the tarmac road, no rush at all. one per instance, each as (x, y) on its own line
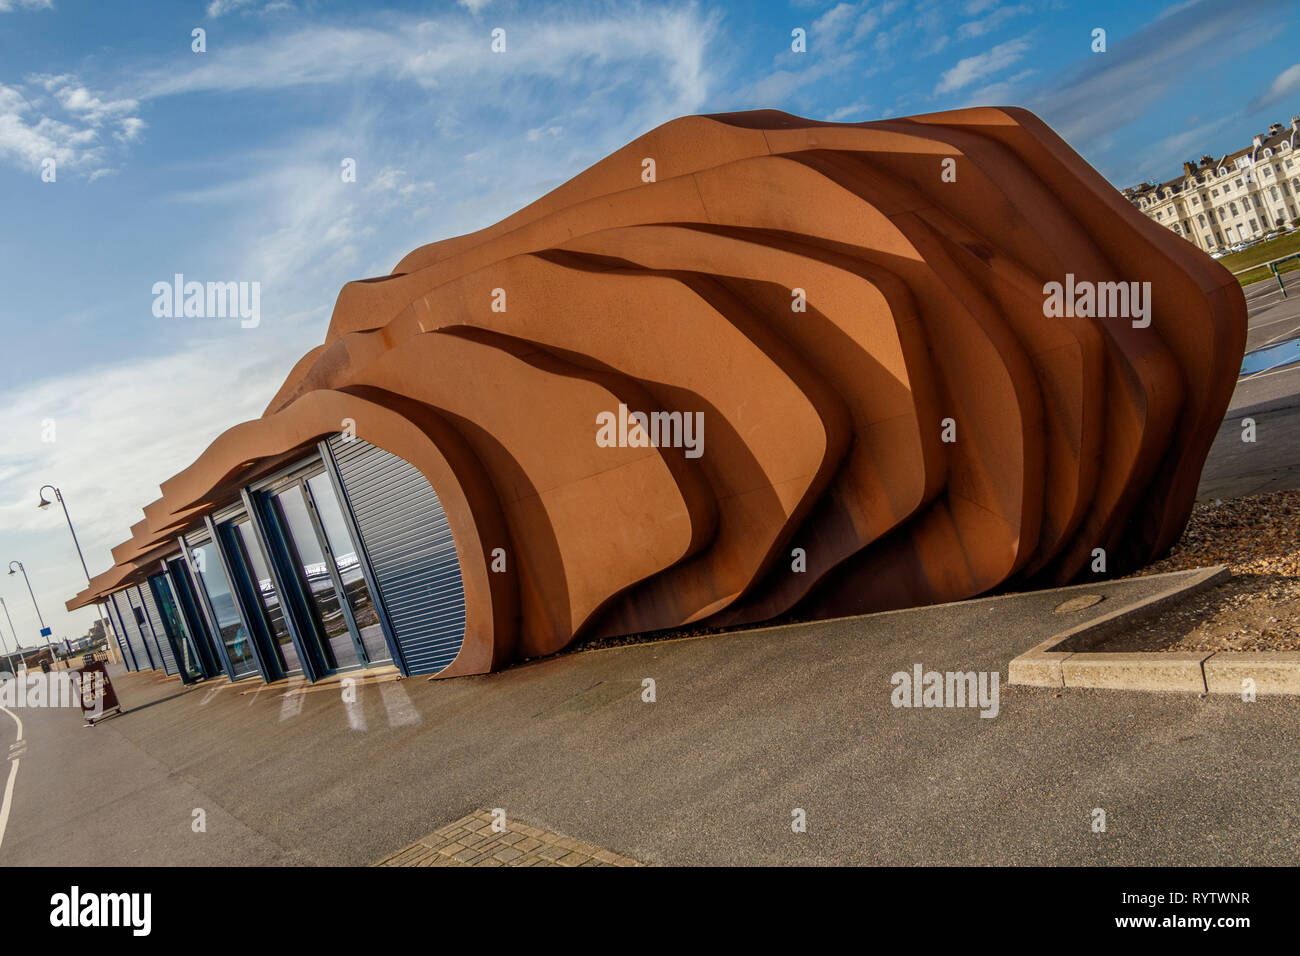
(1270, 398)
(746, 727)
(1272, 319)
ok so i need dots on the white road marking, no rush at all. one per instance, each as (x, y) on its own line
(1286, 334)
(1256, 326)
(13, 775)
(1275, 371)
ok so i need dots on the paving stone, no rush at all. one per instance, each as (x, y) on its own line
(472, 841)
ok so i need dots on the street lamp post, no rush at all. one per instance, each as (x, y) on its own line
(34, 604)
(45, 503)
(18, 647)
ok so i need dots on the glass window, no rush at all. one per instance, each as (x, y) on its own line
(175, 625)
(260, 575)
(320, 583)
(349, 567)
(233, 633)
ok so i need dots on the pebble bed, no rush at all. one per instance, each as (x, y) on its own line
(1258, 608)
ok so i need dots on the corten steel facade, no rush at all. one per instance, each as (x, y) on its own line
(855, 315)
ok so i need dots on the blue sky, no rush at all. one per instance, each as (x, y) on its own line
(224, 165)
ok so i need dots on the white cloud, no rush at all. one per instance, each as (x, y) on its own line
(1287, 84)
(1163, 158)
(1105, 94)
(120, 430)
(835, 21)
(219, 8)
(30, 132)
(83, 102)
(130, 130)
(666, 43)
(9, 6)
(848, 113)
(845, 25)
(976, 67)
(977, 28)
(775, 87)
(474, 6)
(1003, 93)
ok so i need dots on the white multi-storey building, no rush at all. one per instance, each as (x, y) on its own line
(1244, 195)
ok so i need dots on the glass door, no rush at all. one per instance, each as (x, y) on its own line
(309, 519)
(192, 618)
(259, 589)
(330, 614)
(233, 634)
(187, 657)
(347, 566)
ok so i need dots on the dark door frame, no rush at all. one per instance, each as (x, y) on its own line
(285, 552)
(291, 600)
(175, 641)
(363, 557)
(178, 578)
(205, 605)
(264, 666)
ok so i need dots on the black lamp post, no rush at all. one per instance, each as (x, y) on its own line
(45, 503)
(34, 604)
(18, 648)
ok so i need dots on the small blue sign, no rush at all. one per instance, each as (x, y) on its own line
(46, 631)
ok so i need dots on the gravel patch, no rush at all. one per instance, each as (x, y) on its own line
(1258, 608)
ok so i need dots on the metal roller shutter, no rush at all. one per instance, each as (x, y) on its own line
(143, 656)
(113, 638)
(160, 633)
(405, 535)
(146, 632)
(115, 621)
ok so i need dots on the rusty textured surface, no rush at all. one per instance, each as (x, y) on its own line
(822, 428)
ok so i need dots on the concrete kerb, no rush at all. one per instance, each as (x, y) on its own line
(1064, 660)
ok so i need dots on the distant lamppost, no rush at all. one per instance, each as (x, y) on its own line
(45, 503)
(34, 604)
(18, 648)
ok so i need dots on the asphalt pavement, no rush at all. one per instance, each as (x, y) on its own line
(746, 727)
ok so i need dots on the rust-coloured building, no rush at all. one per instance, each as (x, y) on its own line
(747, 365)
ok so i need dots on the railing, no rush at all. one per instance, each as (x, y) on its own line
(1271, 265)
